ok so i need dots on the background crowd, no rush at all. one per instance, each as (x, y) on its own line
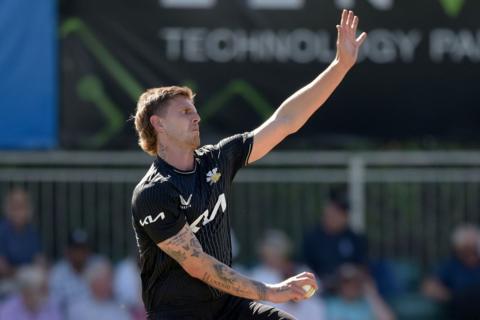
(353, 286)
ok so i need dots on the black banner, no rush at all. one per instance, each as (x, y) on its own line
(416, 83)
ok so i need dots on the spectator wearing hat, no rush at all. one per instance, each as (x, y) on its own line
(67, 281)
(332, 243)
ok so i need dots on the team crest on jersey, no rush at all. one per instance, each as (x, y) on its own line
(213, 176)
(185, 204)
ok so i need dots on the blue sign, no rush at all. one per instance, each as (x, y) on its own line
(28, 74)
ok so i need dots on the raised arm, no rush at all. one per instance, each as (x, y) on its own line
(185, 248)
(297, 109)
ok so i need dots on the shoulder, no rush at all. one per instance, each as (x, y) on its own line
(208, 150)
(157, 189)
(152, 179)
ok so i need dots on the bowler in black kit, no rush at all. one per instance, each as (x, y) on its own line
(180, 207)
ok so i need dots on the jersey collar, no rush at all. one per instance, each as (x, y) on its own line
(163, 164)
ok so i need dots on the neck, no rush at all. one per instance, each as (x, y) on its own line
(180, 158)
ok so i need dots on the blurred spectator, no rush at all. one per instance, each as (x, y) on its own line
(128, 287)
(332, 243)
(275, 265)
(356, 298)
(457, 280)
(32, 302)
(67, 281)
(99, 305)
(19, 241)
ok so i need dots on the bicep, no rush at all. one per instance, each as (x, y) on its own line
(267, 136)
(184, 248)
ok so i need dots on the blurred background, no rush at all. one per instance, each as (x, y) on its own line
(379, 193)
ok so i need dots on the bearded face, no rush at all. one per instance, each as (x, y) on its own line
(180, 123)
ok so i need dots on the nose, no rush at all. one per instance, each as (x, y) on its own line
(196, 118)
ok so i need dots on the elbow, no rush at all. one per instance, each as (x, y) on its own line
(293, 129)
(289, 126)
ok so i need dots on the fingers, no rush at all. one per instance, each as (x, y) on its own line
(306, 275)
(306, 281)
(349, 21)
(361, 38)
(298, 293)
(343, 19)
(355, 23)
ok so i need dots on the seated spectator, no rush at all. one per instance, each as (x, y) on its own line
(356, 298)
(332, 243)
(457, 280)
(19, 241)
(100, 304)
(32, 301)
(67, 281)
(275, 265)
(128, 287)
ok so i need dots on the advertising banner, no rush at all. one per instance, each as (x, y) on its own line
(416, 83)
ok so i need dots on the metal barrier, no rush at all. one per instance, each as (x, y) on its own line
(406, 202)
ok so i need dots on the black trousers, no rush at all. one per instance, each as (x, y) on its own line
(225, 308)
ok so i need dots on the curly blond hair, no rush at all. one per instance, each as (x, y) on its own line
(153, 101)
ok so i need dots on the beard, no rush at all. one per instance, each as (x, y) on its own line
(195, 143)
(190, 140)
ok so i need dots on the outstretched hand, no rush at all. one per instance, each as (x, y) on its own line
(348, 43)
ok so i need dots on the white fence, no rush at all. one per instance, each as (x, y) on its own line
(406, 202)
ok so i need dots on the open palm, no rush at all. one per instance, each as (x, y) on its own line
(347, 42)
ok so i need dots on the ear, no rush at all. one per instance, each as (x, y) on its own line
(156, 123)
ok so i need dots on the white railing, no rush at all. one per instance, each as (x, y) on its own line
(407, 202)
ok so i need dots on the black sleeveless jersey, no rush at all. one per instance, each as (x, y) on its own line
(166, 199)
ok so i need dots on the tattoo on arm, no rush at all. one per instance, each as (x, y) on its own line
(184, 246)
(228, 280)
(261, 289)
(177, 255)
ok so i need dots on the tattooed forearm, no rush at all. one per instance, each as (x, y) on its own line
(261, 290)
(185, 248)
(182, 245)
(195, 253)
(178, 239)
(228, 276)
(178, 255)
(228, 280)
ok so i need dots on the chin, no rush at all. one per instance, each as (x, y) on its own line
(195, 143)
